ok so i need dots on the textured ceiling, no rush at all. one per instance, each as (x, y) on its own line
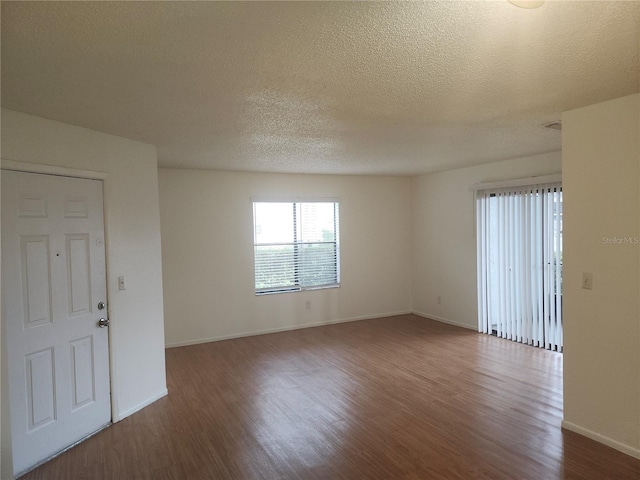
(320, 87)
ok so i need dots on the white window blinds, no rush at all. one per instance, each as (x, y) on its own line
(520, 263)
(296, 246)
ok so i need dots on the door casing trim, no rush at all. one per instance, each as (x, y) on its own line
(28, 167)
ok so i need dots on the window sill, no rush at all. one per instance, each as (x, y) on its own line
(295, 290)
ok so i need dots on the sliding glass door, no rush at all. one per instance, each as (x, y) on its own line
(519, 232)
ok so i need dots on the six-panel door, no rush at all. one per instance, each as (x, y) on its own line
(53, 278)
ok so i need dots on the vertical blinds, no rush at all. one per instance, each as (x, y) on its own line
(296, 246)
(519, 245)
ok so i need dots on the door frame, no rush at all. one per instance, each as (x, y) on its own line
(6, 443)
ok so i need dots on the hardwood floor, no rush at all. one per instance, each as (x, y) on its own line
(393, 398)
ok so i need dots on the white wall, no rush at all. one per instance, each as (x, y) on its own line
(443, 236)
(132, 224)
(207, 251)
(601, 184)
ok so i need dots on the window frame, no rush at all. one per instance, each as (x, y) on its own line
(297, 244)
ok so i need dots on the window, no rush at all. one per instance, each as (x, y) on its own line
(296, 246)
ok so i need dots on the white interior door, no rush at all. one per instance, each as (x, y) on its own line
(54, 291)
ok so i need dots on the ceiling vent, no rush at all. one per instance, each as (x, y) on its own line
(553, 125)
(527, 3)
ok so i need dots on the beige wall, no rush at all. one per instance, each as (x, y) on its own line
(207, 250)
(443, 235)
(601, 181)
(132, 222)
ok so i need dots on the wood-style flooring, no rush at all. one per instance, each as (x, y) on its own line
(393, 398)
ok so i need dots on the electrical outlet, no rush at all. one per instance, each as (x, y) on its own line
(439, 300)
(307, 304)
(587, 280)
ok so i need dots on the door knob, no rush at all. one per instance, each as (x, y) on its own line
(103, 322)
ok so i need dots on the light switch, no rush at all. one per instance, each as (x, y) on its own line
(587, 280)
(121, 284)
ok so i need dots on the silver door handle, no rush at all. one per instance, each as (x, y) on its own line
(103, 322)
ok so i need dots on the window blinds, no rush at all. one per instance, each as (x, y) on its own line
(296, 246)
(519, 245)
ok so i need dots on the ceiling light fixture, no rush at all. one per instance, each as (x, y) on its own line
(527, 3)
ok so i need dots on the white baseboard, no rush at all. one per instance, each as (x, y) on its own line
(444, 320)
(140, 406)
(282, 329)
(622, 447)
